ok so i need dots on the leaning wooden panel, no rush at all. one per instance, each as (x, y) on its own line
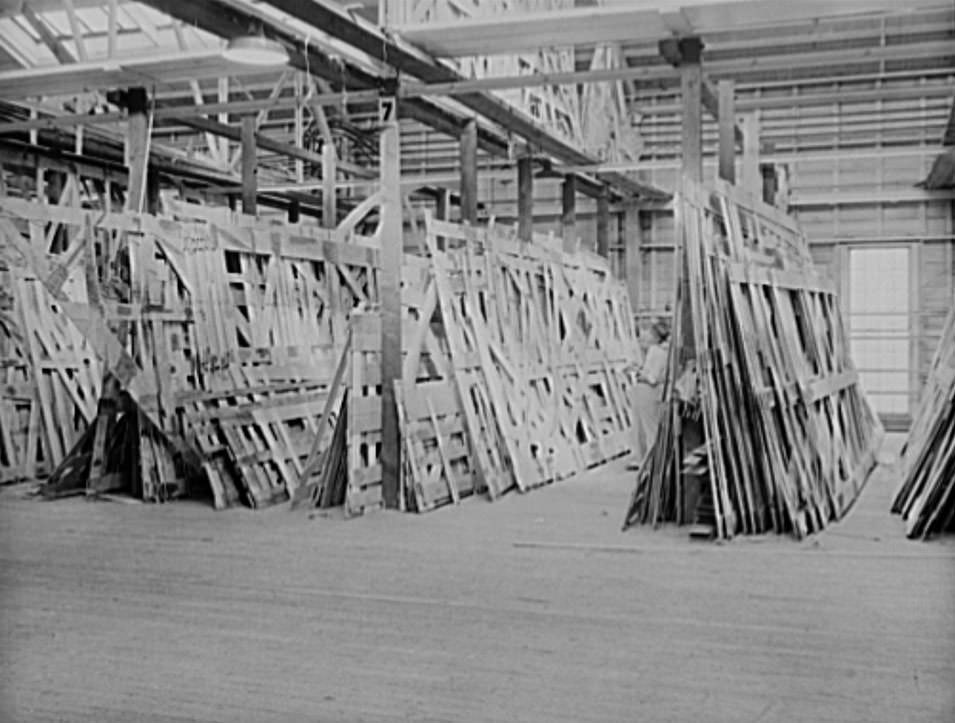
(363, 443)
(551, 337)
(439, 466)
(178, 307)
(926, 496)
(766, 427)
(50, 375)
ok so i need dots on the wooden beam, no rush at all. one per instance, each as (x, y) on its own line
(750, 178)
(137, 148)
(568, 214)
(691, 77)
(671, 49)
(76, 30)
(632, 241)
(249, 165)
(442, 204)
(234, 133)
(525, 198)
(411, 89)
(512, 34)
(112, 28)
(330, 18)
(468, 147)
(631, 23)
(727, 126)
(603, 223)
(102, 75)
(63, 56)
(389, 292)
(329, 176)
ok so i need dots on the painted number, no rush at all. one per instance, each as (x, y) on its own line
(386, 109)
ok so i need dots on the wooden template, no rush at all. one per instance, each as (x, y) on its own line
(223, 335)
(778, 435)
(926, 496)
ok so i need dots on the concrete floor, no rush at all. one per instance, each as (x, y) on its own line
(533, 608)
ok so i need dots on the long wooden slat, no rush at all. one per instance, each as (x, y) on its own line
(789, 435)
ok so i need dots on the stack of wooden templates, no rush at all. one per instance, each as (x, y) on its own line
(778, 435)
(537, 348)
(204, 350)
(514, 373)
(50, 377)
(218, 338)
(926, 498)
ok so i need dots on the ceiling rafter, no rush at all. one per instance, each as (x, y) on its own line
(47, 36)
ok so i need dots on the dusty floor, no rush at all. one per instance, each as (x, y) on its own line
(533, 608)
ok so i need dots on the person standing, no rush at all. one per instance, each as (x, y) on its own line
(648, 391)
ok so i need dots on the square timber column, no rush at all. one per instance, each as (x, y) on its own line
(727, 130)
(568, 213)
(137, 148)
(329, 177)
(751, 178)
(468, 151)
(525, 198)
(691, 86)
(249, 169)
(632, 242)
(389, 297)
(603, 222)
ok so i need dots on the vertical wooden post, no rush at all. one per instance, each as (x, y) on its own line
(294, 211)
(223, 97)
(525, 198)
(299, 128)
(389, 295)
(137, 162)
(137, 148)
(329, 176)
(248, 164)
(568, 212)
(691, 84)
(727, 125)
(152, 193)
(632, 240)
(750, 176)
(112, 28)
(767, 173)
(469, 172)
(443, 205)
(603, 222)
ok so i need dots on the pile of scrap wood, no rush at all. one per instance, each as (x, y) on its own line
(926, 498)
(217, 339)
(765, 426)
(514, 375)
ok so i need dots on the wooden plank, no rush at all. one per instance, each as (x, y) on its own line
(469, 172)
(727, 127)
(568, 215)
(691, 81)
(750, 178)
(789, 436)
(249, 165)
(603, 223)
(389, 293)
(525, 197)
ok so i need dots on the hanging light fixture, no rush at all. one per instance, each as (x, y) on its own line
(255, 50)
